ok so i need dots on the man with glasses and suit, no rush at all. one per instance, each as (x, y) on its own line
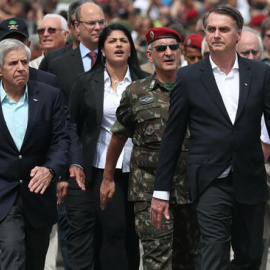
(90, 21)
(53, 33)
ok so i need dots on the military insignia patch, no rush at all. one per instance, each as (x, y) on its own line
(13, 25)
(149, 130)
(146, 100)
(152, 34)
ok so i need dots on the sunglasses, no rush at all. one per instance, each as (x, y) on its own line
(51, 30)
(163, 48)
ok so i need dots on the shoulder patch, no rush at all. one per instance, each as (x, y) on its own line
(146, 100)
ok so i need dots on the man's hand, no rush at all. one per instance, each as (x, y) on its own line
(61, 191)
(107, 190)
(78, 174)
(158, 207)
(41, 179)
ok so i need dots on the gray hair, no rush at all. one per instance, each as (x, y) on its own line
(11, 44)
(256, 33)
(62, 20)
(203, 46)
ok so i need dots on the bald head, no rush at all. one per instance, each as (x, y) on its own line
(249, 46)
(89, 23)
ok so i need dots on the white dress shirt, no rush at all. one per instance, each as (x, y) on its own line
(228, 86)
(110, 104)
(264, 133)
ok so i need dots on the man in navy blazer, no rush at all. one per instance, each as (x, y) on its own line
(222, 99)
(34, 147)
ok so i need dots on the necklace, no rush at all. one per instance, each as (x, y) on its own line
(115, 82)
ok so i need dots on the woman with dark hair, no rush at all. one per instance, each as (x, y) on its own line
(93, 102)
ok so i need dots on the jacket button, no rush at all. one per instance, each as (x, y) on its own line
(20, 156)
(21, 181)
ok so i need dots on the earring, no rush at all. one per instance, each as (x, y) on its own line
(103, 54)
(129, 54)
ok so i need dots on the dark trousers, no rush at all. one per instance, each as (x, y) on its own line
(222, 222)
(101, 236)
(23, 247)
(63, 233)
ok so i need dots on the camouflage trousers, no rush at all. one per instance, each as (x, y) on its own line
(174, 245)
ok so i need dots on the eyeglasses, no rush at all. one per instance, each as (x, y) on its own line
(163, 48)
(92, 24)
(247, 53)
(51, 30)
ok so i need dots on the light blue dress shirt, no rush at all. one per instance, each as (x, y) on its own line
(16, 115)
(85, 58)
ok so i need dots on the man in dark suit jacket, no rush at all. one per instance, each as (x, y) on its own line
(68, 66)
(222, 99)
(34, 151)
(50, 56)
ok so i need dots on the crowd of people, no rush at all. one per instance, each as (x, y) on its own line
(135, 122)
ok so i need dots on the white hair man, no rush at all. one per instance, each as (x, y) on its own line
(53, 33)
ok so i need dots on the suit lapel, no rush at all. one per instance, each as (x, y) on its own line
(244, 85)
(97, 84)
(76, 61)
(34, 101)
(209, 83)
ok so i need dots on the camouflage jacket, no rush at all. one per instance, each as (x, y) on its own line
(142, 115)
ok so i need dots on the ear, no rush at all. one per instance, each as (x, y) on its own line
(149, 55)
(66, 33)
(76, 24)
(239, 33)
(1, 72)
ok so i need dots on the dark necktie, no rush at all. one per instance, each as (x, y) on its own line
(93, 56)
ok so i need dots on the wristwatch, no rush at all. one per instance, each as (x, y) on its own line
(52, 173)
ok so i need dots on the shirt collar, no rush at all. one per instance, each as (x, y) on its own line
(84, 50)
(4, 96)
(215, 67)
(126, 78)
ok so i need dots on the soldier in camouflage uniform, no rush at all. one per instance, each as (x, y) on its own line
(142, 115)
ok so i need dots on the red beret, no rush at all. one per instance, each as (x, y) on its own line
(194, 40)
(161, 32)
(192, 13)
(258, 19)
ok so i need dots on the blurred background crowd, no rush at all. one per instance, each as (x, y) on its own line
(138, 16)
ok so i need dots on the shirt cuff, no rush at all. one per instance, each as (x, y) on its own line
(162, 195)
(76, 165)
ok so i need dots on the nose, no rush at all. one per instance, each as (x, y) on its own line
(118, 43)
(20, 66)
(217, 34)
(46, 32)
(97, 26)
(251, 56)
(168, 51)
